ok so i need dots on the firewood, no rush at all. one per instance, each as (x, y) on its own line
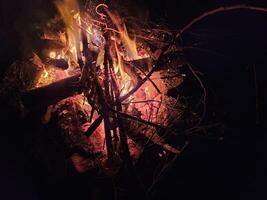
(51, 94)
(144, 63)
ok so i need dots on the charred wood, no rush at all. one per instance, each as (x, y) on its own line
(51, 94)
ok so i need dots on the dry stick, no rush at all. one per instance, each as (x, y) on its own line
(218, 10)
(197, 129)
(179, 34)
(145, 101)
(114, 122)
(107, 126)
(166, 167)
(137, 119)
(152, 82)
(151, 40)
(140, 83)
(94, 126)
(173, 76)
(124, 115)
(204, 92)
(89, 65)
(113, 91)
(58, 91)
(92, 113)
(204, 15)
(123, 138)
(105, 110)
(166, 129)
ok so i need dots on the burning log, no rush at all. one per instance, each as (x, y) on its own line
(51, 94)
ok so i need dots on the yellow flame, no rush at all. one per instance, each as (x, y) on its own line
(129, 44)
(125, 81)
(69, 11)
(119, 64)
(130, 53)
(52, 54)
(45, 73)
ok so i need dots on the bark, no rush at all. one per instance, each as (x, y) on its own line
(51, 94)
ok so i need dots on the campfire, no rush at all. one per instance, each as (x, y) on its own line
(110, 84)
(116, 95)
(107, 87)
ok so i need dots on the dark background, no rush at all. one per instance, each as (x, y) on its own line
(224, 47)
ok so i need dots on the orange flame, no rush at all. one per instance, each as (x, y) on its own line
(124, 80)
(69, 11)
(130, 53)
(45, 73)
(129, 44)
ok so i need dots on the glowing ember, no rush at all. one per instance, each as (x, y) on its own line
(52, 54)
(45, 73)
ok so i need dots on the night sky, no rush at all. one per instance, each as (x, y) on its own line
(224, 47)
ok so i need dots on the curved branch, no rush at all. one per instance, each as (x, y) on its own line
(204, 91)
(218, 10)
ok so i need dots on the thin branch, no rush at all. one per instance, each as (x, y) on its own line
(94, 126)
(140, 83)
(166, 167)
(145, 101)
(204, 91)
(218, 10)
(136, 119)
(152, 82)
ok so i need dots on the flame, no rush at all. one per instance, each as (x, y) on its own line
(129, 44)
(69, 11)
(45, 73)
(119, 64)
(124, 80)
(52, 54)
(130, 53)
(144, 103)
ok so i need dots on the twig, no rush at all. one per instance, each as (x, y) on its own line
(136, 119)
(218, 10)
(94, 126)
(140, 83)
(204, 92)
(152, 82)
(165, 168)
(107, 98)
(145, 101)
(169, 77)
(197, 129)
